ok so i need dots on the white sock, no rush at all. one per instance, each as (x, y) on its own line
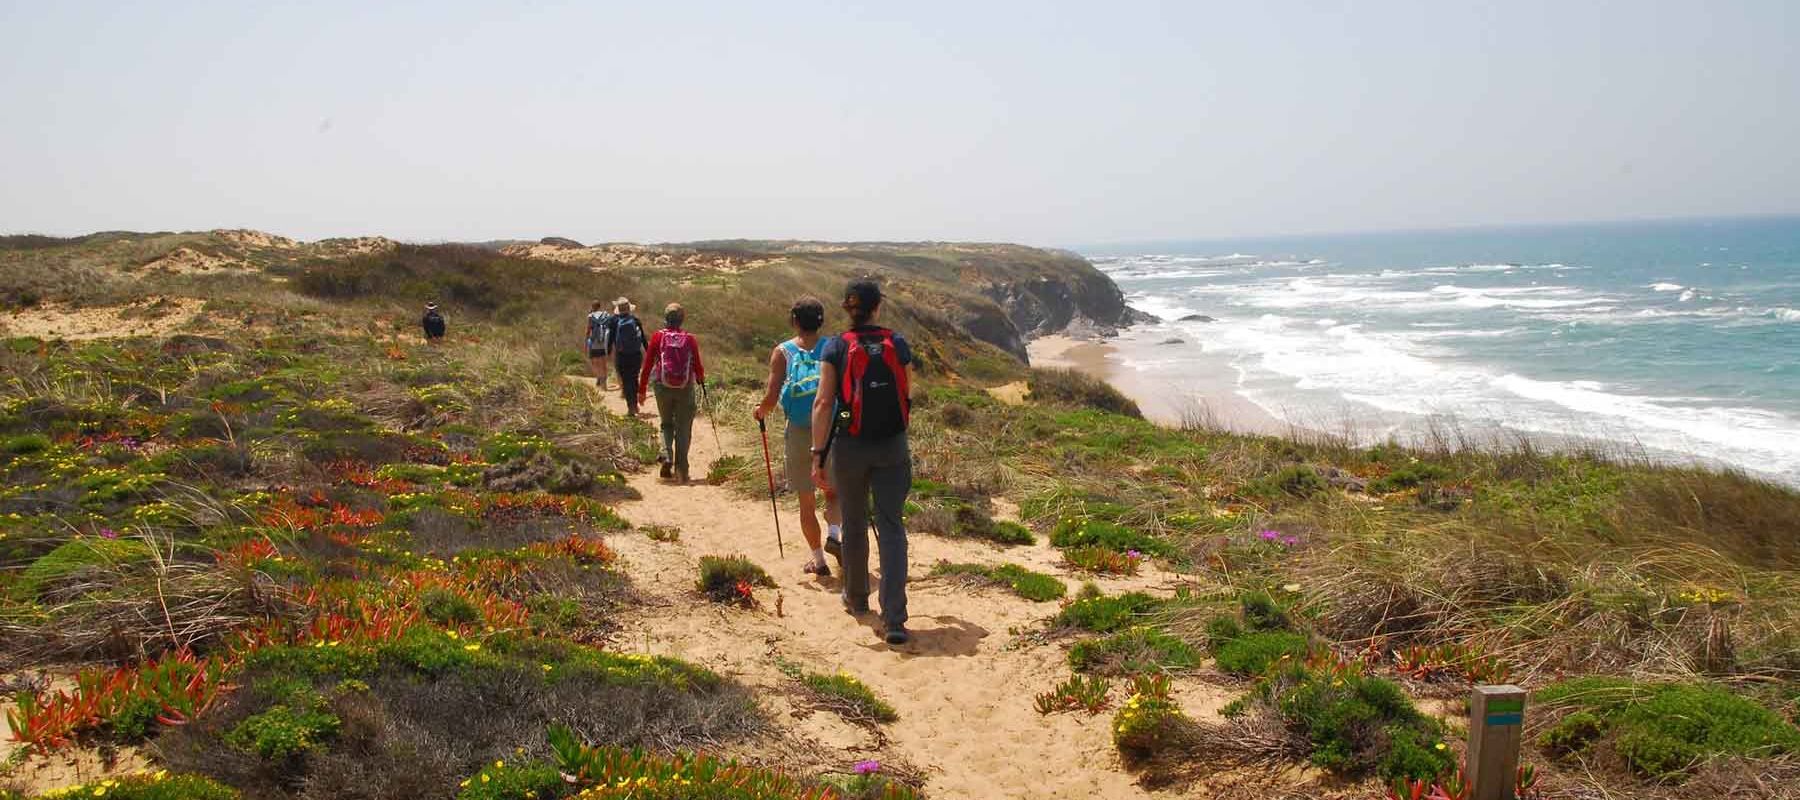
(818, 555)
(834, 531)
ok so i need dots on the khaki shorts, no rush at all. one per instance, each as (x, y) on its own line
(798, 441)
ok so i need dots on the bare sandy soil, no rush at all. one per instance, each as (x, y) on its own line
(155, 317)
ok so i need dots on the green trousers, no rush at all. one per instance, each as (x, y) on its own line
(676, 407)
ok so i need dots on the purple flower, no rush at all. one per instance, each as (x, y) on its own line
(1270, 536)
(868, 767)
(108, 533)
(1290, 541)
(1133, 555)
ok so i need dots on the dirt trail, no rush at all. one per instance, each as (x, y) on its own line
(963, 687)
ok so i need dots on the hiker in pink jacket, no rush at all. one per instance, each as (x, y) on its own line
(672, 368)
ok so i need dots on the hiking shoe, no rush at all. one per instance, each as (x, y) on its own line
(667, 471)
(854, 609)
(681, 475)
(835, 547)
(896, 635)
(816, 568)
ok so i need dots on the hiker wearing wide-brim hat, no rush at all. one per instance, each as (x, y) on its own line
(433, 323)
(859, 421)
(628, 345)
(673, 368)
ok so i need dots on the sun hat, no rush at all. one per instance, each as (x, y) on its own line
(621, 304)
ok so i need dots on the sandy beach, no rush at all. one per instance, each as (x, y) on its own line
(1208, 394)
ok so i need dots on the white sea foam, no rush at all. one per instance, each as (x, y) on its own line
(1665, 287)
(1785, 314)
(1688, 295)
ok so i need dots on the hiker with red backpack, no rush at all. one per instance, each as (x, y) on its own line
(794, 385)
(859, 422)
(672, 368)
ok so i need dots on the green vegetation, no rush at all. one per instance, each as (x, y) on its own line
(158, 785)
(1133, 651)
(1107, 614)
(731, 579)
(1034, 586)
(1662, 730)
(847, 697)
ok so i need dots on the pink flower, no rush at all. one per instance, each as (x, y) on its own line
(868, 767)
(1133, 555)
(1270, 536)
(108, 533)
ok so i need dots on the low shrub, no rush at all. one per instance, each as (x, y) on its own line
(1133, 651)
(1034, 586)
(1353, 723)
(1087, 693)
(1296, 481)
(1069, 387)
(1103, 560)
(731, 579)
(1150, 722)
(662, 533)
(79, 555)
(283, 732)
(1663, 731)
(532, 780)
(727, 468)
(848, 697)
(159, 785)
(1091, 532)
(612, 773)
(1107, 614)
(1252, 654)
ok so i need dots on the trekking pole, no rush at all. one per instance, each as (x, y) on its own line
(769, 469)
(711, 419)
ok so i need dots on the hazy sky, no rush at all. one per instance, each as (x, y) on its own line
(1042, 122)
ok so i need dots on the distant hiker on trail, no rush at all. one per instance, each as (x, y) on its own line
(859, 421)
(628, 345)
(794, 384)
(433, 323)
(599, 342)
(672, 365)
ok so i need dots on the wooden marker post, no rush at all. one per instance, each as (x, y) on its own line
(1496, 723)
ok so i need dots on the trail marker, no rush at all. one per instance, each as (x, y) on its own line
(1496, 725)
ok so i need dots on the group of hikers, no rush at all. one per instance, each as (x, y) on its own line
(846, 402)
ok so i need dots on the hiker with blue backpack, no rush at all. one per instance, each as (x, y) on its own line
(859, 429)
(672, 367)
(628, 342)
(794, 385)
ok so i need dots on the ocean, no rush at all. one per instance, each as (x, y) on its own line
(1674, 339)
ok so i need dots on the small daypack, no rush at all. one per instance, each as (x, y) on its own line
(628, 335)
(802, 384)
(434, 323)
(599, 331)
(874, 385)
(675, 358)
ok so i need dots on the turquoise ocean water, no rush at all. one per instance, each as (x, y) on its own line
(1679, 339)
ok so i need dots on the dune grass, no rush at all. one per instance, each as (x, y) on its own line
(1034, 586)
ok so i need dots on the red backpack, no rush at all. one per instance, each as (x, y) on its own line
(874, 385)
(675, 358)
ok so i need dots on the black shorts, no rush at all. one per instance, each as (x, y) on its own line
(596, 354)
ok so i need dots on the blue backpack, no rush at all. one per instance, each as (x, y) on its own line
(802, 384)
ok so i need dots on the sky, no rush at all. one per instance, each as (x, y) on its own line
(1039, 122)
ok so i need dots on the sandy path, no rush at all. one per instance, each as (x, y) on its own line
(963, 687)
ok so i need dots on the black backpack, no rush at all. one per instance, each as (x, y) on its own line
(874, 389)
(628, 335)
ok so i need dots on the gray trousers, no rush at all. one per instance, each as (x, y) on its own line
(882, 468)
